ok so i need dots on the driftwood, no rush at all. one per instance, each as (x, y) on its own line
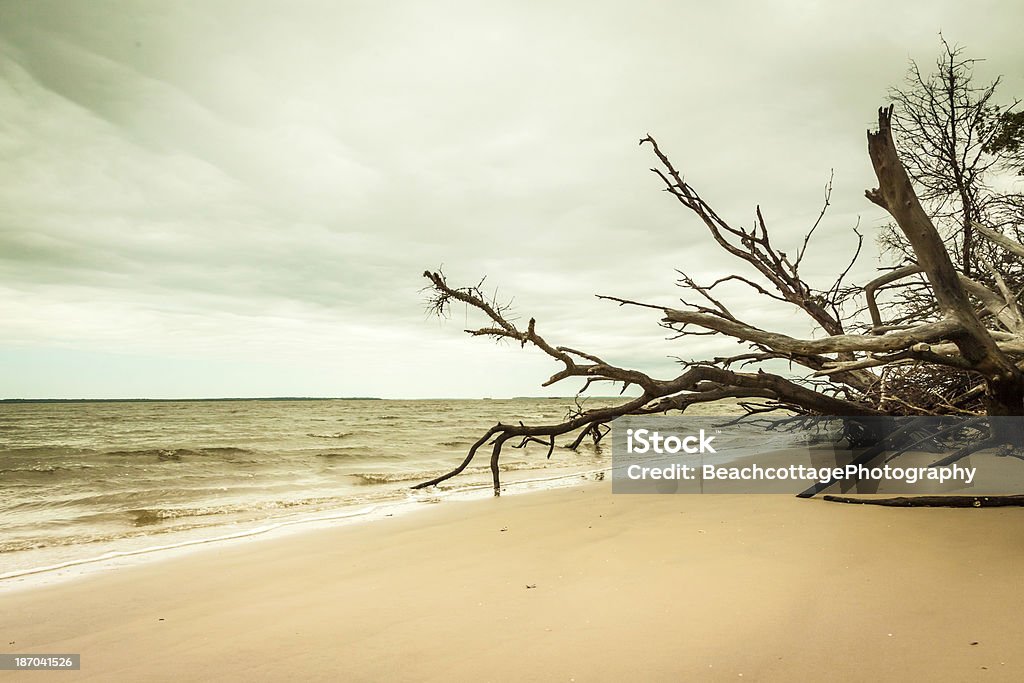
(863, 458)
(962, 356)
(934, 501)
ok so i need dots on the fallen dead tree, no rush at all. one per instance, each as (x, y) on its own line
(965, 358)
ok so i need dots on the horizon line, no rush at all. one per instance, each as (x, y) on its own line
(280, 398)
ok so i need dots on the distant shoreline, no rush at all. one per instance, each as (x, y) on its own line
(281, 398)
(188, 400)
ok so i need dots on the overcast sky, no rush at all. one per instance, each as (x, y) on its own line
(214, 198)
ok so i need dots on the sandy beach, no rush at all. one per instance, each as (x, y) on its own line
(289, 289)
(561, 585)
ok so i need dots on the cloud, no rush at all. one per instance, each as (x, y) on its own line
(263, 182)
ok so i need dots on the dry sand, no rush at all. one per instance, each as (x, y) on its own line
(570, 584)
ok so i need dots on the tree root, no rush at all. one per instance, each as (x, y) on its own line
(934, 501)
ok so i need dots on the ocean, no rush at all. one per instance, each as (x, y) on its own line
(80, 480)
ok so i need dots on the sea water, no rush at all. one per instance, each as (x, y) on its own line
(82, 479)
(86, 479)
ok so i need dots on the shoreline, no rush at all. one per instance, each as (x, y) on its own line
(562, 584)
(356, 513)
(360, 512)
(96, 478)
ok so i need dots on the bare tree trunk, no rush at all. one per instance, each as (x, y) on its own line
(1003, 379)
